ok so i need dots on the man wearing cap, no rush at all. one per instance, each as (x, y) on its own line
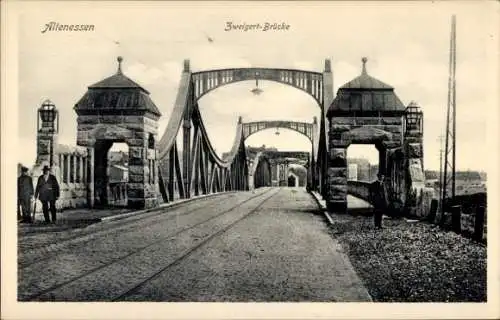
(379, 200)
(47, 190)
(24, 194)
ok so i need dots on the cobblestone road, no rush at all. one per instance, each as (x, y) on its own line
(266, 245)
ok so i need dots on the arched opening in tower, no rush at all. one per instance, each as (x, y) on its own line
(299, 173)
(111, 173)
(362, 162)
(118, 173)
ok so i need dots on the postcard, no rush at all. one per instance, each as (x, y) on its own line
(249, 160)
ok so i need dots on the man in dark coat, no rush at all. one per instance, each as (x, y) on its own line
(47, 190)
(24, 194)
(379, 200)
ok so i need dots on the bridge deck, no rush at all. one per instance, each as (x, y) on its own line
(265, 245)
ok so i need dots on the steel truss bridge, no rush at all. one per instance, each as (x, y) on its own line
(193, 168)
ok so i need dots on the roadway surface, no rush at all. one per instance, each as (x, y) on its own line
(271, 244)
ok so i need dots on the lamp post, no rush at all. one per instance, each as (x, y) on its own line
(256, 91)
(48, 125)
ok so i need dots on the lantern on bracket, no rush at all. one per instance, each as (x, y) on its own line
(256, 91)
(48, 125)
(413, 117)
(48, 117)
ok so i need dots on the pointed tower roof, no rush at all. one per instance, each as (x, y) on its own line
(116, 94)
(365, 95)
(118, 80)
(365, 81)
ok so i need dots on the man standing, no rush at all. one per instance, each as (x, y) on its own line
(47, 190)
(24, 194)
(379, 198)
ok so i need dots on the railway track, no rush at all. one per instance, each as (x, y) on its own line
(45, 249)
(45, 294)
(186, 254)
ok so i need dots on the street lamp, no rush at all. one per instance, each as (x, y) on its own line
(256, 90)
(413, 117)
(48, 123)
(49, 116)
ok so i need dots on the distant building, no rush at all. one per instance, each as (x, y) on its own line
(363, 168)
(118, 157)
(352, 171)
(466, 182)
(261, 148)
(118, 173)
(300, 173)
(372, 173)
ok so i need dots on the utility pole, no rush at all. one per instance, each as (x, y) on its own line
(450, 150)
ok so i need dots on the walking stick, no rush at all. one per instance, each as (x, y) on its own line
(34, 212)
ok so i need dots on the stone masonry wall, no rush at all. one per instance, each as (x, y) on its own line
(135, 130)
(419, 198)
(345, 131)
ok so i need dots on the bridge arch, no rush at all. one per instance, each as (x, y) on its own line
(318, 85)
(199, 164)
(309, 82)
(307, 129)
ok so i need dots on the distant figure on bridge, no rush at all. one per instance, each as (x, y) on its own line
(24, 195)
(47, 190)
(379, 200)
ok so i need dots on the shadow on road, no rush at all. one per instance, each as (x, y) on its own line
(42, 227)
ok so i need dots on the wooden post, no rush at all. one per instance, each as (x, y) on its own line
(455, 218)
(444, 208)
(433, 210)
(479, 224)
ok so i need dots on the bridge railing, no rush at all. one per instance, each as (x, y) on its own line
(319, 160)
(465, 214)
(253, 169)
(70, 166)
(359, 189)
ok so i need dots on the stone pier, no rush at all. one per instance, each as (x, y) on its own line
(118, 110)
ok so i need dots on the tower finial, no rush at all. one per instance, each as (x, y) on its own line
(328, 65)
(364, 60)
(119, 59)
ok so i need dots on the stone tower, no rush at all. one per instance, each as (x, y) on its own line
(117, 109)
(365, 111)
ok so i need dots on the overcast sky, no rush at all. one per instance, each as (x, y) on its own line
(406, 44)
